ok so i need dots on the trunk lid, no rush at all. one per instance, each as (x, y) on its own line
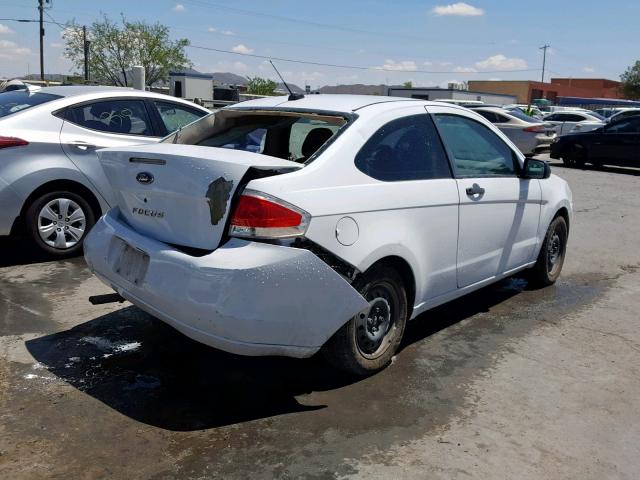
(181, 194)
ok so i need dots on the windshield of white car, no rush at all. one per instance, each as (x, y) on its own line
(288, 135)
(18, 100)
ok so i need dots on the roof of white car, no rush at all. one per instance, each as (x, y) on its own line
(71, 93)
(326, 102)
(73, 90)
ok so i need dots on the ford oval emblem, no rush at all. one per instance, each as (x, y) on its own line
(145, 178)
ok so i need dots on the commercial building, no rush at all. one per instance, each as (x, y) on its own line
(527, 90)
(451, 94)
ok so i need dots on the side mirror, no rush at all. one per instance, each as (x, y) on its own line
(536, 169)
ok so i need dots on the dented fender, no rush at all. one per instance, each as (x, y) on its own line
(245, 297)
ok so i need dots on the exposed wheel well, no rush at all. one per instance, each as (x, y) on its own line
(67, 185)
(564, 213)
(404, 269)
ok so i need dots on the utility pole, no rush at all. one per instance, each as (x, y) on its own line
(41, 9)
(85, 44)
(544, 58)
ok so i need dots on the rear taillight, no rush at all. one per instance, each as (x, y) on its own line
(6, 142)
(536, 129)
(259, 215)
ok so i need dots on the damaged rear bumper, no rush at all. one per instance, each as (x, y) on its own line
(245, 297)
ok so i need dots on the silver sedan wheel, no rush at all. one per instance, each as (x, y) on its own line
(61, 223)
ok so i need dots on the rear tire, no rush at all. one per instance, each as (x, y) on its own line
(551, 257)
(58, 222)
(366, 344)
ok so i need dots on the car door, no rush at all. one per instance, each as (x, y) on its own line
(413, 197)
(89, 126)
(498, 210)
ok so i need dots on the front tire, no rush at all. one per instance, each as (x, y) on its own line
(577, 156)
(58, 222)
(366, 343)
(552, 253)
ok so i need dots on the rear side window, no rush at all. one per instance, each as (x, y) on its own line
(125, 117)
(492, 117)
(175, 116)
(407, 148)
(631, 125)
(19, 100)
(476, 150)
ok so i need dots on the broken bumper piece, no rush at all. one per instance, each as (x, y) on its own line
(245, 297)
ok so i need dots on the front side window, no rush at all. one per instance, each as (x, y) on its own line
(125, 117)
(475, 149)
(175, 116)
(407, 148)
(18, 100)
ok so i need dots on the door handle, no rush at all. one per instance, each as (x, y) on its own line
(474, 190)
(82, 145)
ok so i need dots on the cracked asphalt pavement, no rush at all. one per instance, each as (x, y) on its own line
(508, 382)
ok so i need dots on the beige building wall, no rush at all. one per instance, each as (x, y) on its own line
(519, 88)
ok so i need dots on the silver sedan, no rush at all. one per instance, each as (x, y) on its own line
(52, 187)
(529, 135)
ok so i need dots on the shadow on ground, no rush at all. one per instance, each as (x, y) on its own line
(19, 251)
(151, 373)
(603, 168)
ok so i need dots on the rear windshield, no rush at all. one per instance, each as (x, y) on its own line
(287, 135)
(597, 115)
(516, 112)
(18, 100)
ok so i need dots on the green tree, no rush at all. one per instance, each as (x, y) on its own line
(261, 86)
(630, 79)
(408, 84)
(116, 47)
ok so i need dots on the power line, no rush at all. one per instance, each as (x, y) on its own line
(26, 20)
(300, 21)
(353, 67)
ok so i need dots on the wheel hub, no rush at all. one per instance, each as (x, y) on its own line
(374, 326)
(61, 223)
(554, 250)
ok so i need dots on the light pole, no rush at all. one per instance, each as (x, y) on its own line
(544, 58)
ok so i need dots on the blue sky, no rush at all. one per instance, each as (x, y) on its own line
(475, 39)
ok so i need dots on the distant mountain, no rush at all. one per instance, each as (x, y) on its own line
(228, 78)
(356, 89)
(294, 88)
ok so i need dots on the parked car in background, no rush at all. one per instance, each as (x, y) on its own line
(529, 135)
(52, 186)
(607, 112)
(575, 120)
(616, 143)
(357, 214)
(629, 112)
(530, 110)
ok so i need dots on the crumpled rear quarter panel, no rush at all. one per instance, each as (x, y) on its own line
(247, 292)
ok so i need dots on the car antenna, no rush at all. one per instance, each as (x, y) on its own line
(292, 96)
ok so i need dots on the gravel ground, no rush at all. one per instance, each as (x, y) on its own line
(505, 383)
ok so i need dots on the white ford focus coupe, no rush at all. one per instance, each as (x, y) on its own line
(291, 226)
